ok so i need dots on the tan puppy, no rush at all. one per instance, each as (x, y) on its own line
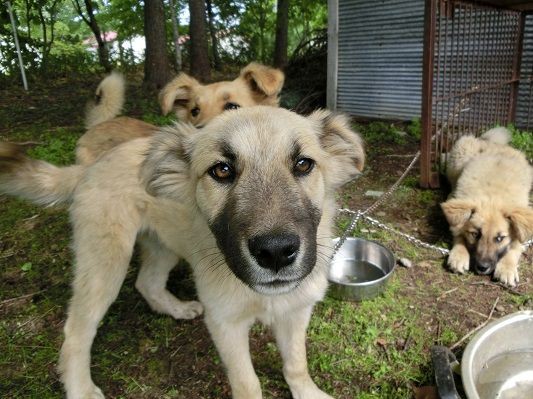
(248, 201)
(489, 213)
(191, 101)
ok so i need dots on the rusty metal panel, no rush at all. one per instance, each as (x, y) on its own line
(524, 112)
(476, 53)
(380, 58)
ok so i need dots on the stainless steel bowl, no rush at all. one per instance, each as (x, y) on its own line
(360, 270)
(498, 362)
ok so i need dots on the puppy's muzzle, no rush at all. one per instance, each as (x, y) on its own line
(274, 251)
(485, 266)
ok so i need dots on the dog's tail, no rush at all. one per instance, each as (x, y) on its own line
(37, 181)
(108, 102)
(497, 135)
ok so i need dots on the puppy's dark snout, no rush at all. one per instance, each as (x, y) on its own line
(274, 251)
(484, 266)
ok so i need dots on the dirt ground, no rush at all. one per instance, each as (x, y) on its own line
(140, 354)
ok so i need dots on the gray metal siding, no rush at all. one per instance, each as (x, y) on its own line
(380, 58)
(524, 111)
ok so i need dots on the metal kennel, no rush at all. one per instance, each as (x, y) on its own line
(471, 74)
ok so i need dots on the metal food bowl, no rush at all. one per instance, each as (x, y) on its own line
(359, 270)
(498, 362)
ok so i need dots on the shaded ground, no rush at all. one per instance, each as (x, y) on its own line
(374, 349)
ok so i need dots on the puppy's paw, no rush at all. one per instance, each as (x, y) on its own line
(187, 310)
(306, 389)
(96, 394)
(459, 259)
(507, 274)
(92, 392)
(311, 393)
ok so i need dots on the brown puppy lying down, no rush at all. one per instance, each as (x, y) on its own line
(488, 212)
(190, 100)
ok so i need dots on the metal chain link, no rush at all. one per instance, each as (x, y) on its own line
(371, 208)
(444, 251)
(357, 215)
(409, 238)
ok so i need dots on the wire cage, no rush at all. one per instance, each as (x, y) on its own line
(471, 74)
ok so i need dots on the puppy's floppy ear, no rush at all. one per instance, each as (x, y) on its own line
(344, 146)
(165, 170)
(521, 222)
(457, 211)
(177, 92)
(265, 82)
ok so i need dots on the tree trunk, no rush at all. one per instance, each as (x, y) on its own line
(175, 34)
(199, 68)
(47, 41)
(103, 54)
(157, 71)
(213, 34)
(282, 33)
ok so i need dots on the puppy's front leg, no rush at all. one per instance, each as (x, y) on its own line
(459, 258)
(231, 340)
(507, 268)
(290, 331)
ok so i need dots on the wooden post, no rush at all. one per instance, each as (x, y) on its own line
(426, 177)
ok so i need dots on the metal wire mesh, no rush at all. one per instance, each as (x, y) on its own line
(474, 59)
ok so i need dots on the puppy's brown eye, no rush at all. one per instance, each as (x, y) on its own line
(195, 111)
(229, 106)
(303, 166)
(498, 239)
(222, 172)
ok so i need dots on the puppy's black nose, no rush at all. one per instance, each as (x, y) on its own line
(274, 251)
(484, 267)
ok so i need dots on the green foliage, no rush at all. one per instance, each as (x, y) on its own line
(522, 141)
(381, 132)
(58, 150)
(371, 343)
(414, 128)
(52, 40)
(159, 120)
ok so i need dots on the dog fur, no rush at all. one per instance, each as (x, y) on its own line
(248, 201)
(190, 100)
(488, 213)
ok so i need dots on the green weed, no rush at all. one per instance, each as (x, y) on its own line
(522, 140)
(159, 120)
(414, 128)
(381, 132)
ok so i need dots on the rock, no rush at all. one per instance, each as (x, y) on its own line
(372, 193)
(405, 263)
(500, 308)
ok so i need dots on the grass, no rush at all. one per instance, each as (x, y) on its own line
(374, 349)
(522, 141)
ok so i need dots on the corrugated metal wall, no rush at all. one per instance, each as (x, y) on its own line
(380, 50)
(380, 58)
(524, 111)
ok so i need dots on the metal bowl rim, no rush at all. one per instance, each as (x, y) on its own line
(387, 275)
(472, 347)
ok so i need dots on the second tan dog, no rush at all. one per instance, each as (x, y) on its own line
(190, 100)
(489, 213)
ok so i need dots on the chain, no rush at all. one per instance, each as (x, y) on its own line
(409, 238)
(371, 208)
